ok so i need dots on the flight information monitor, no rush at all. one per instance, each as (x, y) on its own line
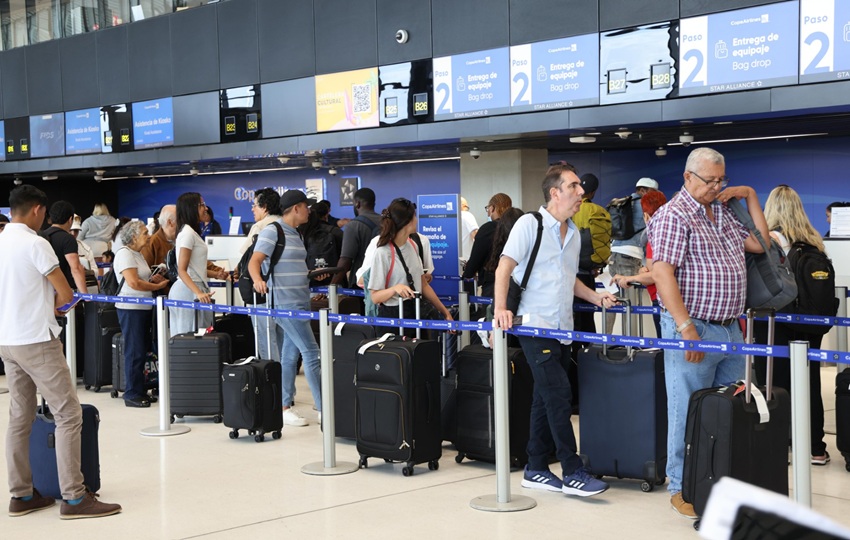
(746, 49)
(47, 132)
(405, 91)
(82, 131)
(116, 128)
(472, 84)
(153, 123)
(17, 139)
(824, 40)
(347, 100)
(555, 74)
(638, 63)
(241, 114)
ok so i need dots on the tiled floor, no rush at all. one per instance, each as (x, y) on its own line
(202, 484)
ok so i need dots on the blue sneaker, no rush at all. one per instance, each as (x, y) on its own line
(545, 480)
(583, 484)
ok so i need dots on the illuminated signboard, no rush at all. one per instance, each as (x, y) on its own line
(3, 140)
(17, 138)
(240, 114)
(744, 49)
(82, 132)
(472, 84)
(116, 128)
(404, 94)
(47, 134)
(637, 64)
(153, 123)
(555, 74)
(347, 100)
(824, 40)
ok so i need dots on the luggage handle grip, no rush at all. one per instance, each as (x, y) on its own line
(627, 322)
(752, 313)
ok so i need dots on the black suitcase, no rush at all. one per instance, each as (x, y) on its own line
(118, 377)
(476, 422)
(101, 324)
(623, 428)
(252, 395)
(725, 437)
(346, 340)
(241, 333)
(842, 415)
(398, 402)
(45, 474)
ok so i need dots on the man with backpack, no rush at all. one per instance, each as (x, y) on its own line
(356, 237)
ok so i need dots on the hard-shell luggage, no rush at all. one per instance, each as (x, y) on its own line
(251, 390)
(118, 376)
(476, 421)
(842, 415)
(398, 401)
(739, 431)
(623, 427)
(101, 324)
(241, 333)
(45, 473)
(346, 340)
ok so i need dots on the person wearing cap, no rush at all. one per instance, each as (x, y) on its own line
(85, 252)
(290, 290)
(65, 245)
(627, 255)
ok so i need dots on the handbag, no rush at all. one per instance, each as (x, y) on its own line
(770, 282)
(515, 289)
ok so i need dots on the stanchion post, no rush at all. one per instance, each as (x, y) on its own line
(165, 427)
(501, 501)
(841, 331)
(333, 298)
(801, 429)
(463, 314)
(328, 467)
(71, 342)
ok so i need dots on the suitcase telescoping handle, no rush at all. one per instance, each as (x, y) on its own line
(626, 322)
(771, 330)
(417, 299)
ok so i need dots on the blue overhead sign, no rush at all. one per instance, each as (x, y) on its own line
(745, 49)
(439, 220)
(472, 84)
(824, 40)
(153, 123)
(555, 74)
(47, 134)
(82, 131)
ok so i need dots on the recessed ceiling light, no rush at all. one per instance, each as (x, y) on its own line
(722, 123)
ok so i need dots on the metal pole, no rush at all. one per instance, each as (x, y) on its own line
(333, 298)
(165, 428)
(801, 429)
(463, 314)
(71, 342)
(501, 501)
(841, 331)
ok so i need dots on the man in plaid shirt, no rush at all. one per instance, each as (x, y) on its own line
(699, 268)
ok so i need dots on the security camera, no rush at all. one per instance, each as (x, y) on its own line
(99, 172)
(154, 180)
(98, 178)
(624, 134)
(317, 164)
(18, 181)
(283, 160)
(332, 171)
(660, 151)
(475, 153)
(402, 36)
(193, 171)
(686, 139)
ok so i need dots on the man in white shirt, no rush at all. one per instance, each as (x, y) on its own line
(30, 276)
(468, 229)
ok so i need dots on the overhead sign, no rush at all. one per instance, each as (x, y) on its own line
(153, 123)
(347, 100)
(82, 131)
(555, 74)
(745, 49)
(637, 64)
(472, 84)
(824, 40)
(48, 135)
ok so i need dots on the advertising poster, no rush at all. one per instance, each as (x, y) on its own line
(439, 220)
(153, 123)
(472, 84)
(82, 131)
(347, 100)
(824, 40)
(637, 64)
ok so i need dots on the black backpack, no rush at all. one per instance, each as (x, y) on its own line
(109, 285)
(322, 247)
(622, 218)
(171, 266)
(246, 284)
(815, 277)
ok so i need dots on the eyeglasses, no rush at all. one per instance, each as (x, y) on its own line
(723, 181)
(488, 207)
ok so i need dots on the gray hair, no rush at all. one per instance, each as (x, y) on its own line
(130, 231)
(701, 154)
(168, 212)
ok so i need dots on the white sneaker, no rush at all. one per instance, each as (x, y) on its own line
(292, 418)
(320, 418)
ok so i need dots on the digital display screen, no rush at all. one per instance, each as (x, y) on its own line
(404, 93)
(661, 76)
(17, 131)
(347, 100)
(3, 139)
(241, 114)
(472, 85)
(555, 74)
(153, 123)
(744, 49)
(824, 40)
(627, 61)
(82, 132)
(116, 124)
(47, 134)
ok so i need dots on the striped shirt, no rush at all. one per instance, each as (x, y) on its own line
(291, 288)
(708, 256)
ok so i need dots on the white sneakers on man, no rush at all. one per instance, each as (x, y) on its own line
(291, 417)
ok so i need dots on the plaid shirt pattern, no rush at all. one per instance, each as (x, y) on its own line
(709, 257)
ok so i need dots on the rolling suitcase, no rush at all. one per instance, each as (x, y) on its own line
(476, 422)
(101, 324)
(448, 392)
(346, 340)
(240, 330)
(118, 376)
(842, 415)
(623, 428)
(45, 474)
(348, 305)
(739, 431)
(195, 364)
(398, 402)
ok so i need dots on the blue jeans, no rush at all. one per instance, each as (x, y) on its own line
(261, 323)
(136, 328)
(298, 338)
(684, 378)
(551, 429)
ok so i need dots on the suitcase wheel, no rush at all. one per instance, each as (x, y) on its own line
(217, 419)
(113, 394)
(363, 463)
(87, 387)
(433, 465)
(259, 437)
(407, 470)
(234, 434)
(96, 389)
(276, 435)
(646, 487)
(696, 525)
(172, 418)
(459, 457)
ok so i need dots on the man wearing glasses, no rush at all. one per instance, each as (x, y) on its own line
(699, 268)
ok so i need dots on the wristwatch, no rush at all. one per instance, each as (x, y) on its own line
(688, 322)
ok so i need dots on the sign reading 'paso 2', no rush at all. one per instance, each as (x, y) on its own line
(824, 40)
(472, 85)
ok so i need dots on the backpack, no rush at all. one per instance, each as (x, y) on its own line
(109, 285)
(322, 248)
(585, 261)
(171, 266)
(815, 277)
(246, 284)
(622, 218)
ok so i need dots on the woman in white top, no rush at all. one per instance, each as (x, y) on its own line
(97, 230)
(135, 319)
(192, 270)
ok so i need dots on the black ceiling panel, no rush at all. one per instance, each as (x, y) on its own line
(194, 54)
(289, 107)
(287, 40)
(13, 66)
(149, 45)
(345, 35)
(44, 78)
(78, 60)
(196, 119)
(625, 13)
(113, 65)
(528, 26)
(461, 26)
(238, 45)
(414, 17)
(692, 8)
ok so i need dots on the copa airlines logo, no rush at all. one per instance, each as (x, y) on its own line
(447, 206)
(244, 194)
(758, 349)
(671, 344)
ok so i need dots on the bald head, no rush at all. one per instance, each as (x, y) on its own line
(168, 221)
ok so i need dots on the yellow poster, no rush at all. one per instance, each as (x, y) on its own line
(347, 100)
